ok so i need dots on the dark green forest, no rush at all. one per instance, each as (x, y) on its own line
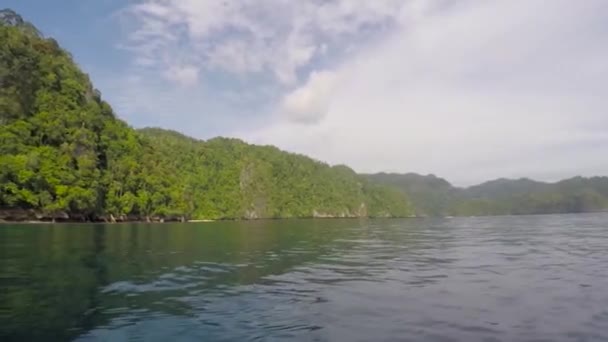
(434, 196)
(65, 155)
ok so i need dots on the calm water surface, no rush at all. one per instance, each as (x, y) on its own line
(542, 278)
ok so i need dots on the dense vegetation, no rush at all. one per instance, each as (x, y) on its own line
(432, 196)
(64, 154)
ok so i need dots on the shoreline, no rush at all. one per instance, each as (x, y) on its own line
(32, 216)
(68, 221)
(163, 221)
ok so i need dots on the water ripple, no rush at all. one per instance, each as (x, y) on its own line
(466, 279)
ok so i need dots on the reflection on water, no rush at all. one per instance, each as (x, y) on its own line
(502, 278)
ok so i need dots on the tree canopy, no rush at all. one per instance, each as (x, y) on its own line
(432, 196)
(65, 154)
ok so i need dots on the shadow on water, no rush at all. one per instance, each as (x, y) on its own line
(495, 278)
(50, 281)
(60, 281)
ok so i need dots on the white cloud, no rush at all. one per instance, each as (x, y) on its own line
(310, 102)
(469, 89)
(186, 75)
(248, 36)
(476, 91)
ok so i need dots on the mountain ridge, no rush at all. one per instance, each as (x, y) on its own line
(501, 196)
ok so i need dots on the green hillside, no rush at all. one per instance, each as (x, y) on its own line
(65, 155)
(432, 196)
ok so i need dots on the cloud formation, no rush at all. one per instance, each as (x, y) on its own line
(249, 36)
(469, 90)
(310, 102)
(186, 75)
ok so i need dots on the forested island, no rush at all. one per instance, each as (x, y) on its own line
(65, 155)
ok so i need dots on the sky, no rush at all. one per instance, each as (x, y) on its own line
(469, 90)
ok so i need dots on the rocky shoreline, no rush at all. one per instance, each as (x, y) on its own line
(34, 216)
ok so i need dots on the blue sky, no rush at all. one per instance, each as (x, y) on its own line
(85, 28)
(469, 90)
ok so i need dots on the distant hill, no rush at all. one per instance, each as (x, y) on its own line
(503, 187)
(65, 155)
(432, 196)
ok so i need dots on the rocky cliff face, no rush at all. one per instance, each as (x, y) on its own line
(10, 18)
(32, 215)
(345, 213)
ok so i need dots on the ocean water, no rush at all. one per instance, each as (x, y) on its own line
(527, 278)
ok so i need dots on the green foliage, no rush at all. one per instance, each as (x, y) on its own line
(433, 196)
(63, 152)
(430, 195)
(227, 178)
